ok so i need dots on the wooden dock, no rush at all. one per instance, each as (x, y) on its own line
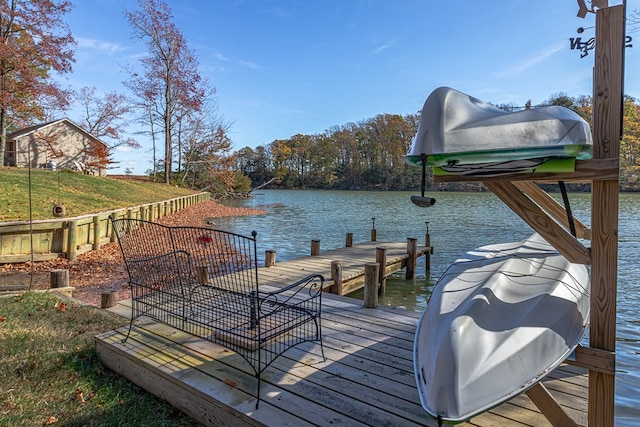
(352, 260)
(366, 379)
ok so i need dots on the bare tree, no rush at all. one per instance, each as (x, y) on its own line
(170, 81)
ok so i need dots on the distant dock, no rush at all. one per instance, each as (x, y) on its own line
(346, 269)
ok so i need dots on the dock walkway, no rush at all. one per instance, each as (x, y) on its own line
(352, 259)
(366, 379)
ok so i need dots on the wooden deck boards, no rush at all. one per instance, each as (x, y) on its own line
(366, 379)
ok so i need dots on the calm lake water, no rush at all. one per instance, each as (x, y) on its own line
(457, 222)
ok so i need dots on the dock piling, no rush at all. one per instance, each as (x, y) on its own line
(412, 250)
(336, 276)
(371, 285)
(381, 259)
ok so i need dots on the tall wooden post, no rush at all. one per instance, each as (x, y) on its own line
(381, 259)
(412, 251)
(371, 285)
(348, 240)
(607, 131)
(336, 276)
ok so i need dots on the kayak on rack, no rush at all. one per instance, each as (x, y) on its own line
(499, 319)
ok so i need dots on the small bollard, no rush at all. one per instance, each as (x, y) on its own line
(315, 247)
(269, 258)
(349, 240)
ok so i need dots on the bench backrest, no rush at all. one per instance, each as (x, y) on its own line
(159, 256)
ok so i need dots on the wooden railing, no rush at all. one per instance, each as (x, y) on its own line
(69, 237)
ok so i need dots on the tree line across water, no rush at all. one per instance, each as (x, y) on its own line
(368, 155)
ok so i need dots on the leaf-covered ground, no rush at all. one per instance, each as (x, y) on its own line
(95, 272)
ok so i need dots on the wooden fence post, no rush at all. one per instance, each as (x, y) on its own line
(269, 258)
(336, 276)
(381, 259)
(96, 233)
(371, 285)
(412, 250)
(72, 250)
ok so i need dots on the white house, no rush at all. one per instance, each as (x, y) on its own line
(59, 144)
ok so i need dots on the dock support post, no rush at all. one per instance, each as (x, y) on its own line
(381, 259)
(412, 251)
(269, 258)
(336, 276)
(371, 285)
(349, 240)
(315, 247)
(427, 243)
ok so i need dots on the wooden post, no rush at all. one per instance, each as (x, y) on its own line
(373, 230)
(607, 122)
(371, 285)
(203, 273)
(381, 259)
(72, 249)
(96, 233)
(427, 255)
(315, 247)
(336, 277)
(412, 251)
(109, 299)
(59, 278)
(269, 258)
(349, 240)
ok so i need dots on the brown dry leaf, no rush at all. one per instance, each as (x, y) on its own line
(50, 420)
(231, 383)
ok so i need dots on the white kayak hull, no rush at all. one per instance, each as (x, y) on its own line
(461, 134)
(499, 319)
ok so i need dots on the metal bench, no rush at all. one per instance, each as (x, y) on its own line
(205, 282)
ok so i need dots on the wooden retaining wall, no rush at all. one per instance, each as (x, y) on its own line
(69, 237)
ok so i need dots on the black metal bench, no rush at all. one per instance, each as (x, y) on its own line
(205, 282)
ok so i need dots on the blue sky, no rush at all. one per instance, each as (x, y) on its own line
(304, 66)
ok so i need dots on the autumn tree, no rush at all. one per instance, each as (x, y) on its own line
(106, 117)
(169, 82)
(35, 42)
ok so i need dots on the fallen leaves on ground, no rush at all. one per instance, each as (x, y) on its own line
(95, 272)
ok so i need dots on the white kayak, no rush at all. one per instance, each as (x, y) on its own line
(460, 134)
(499, 319)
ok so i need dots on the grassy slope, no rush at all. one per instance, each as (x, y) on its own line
(81, 194)
(51, 376)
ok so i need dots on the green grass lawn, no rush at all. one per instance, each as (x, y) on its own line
(51, 375)
(80, 194)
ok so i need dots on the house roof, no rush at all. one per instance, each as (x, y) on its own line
(32, 129)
